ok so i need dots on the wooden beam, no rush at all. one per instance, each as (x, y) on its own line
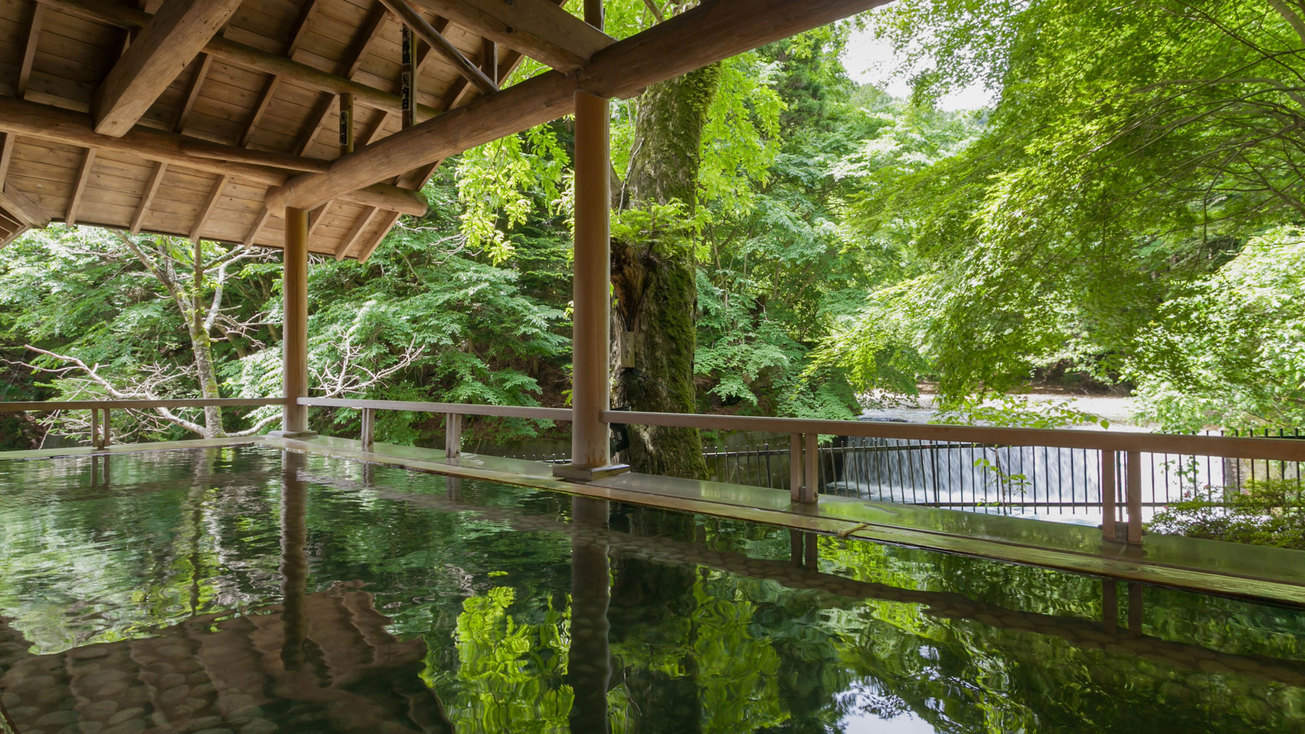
(6, 153)
(209, 205)
(72, 128)
(238, 54)
(151, 189)
(29, 52)
(192, 92)
(532, 102)
(714, 30)
(79, 189)
(537, 28)
(257, 226)
(354, 232)
(6, 239)
(164, 48)
(316, 217)
(22, 206)
(426, 32)
(703, 35)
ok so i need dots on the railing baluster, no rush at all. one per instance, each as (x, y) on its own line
(452, 435)
(1133, 496)
(795, 467)
(1107, 480)
(368, 428)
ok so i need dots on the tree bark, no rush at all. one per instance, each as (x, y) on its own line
(653, 276)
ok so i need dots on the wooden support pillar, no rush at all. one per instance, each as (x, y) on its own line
(295, 333)
(591, 331)
(590, 391)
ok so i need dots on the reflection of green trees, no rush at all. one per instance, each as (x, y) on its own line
(698, 644)
(510, 675)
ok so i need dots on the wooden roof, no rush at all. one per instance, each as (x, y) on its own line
(205, 118)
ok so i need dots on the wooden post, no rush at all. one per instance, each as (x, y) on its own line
(368, 428)
(1110, 605)
(452, 435)
(408, 77)
(295, 332)
(1133, 496)
(95, 428)
(1135, 609)
(108, 430)
(811, 470)
(795, 467)
(591, 331)
(346, 123)
(1108, 489)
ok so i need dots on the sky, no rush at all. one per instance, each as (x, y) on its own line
(870, 61)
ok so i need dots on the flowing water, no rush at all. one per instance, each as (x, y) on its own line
(246, 590)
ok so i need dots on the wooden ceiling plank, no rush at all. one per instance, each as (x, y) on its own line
(703, 35)
(192, 92)
(257, 226)
(538, 28)
(347, 242)
(71, 128)
(151, 189)
(433, 38)
(29, 52)
(167, 44)
(22, 205)
(239, 55)
(209, 205)
(79, 190)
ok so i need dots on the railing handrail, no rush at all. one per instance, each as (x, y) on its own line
(53, 405)
(412, 406)
(1122, 441)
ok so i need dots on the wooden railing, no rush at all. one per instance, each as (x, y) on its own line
(100, 430)
(804, 435)
(452, 412)
(803, 441)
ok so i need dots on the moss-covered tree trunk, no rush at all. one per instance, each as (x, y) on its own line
(653, 276)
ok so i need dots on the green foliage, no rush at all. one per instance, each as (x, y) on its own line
(1267, 512)
(1230, 349)
(1011, 411)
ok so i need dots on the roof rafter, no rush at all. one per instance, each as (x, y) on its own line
(83, 177)
(22, 206)
(29, 52)
(238, 54)
(540, 29)
(72, 128)
(433, 38)
(152, 188)
(166, 45)
(700, 36)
